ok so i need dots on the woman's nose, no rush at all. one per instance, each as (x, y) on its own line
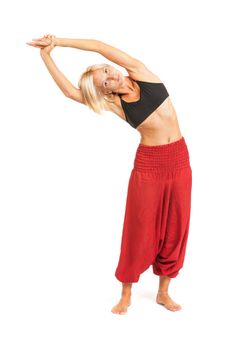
(114, 76)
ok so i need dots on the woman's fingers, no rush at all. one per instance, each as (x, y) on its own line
(48, 36)
(43, 42)
(44, 37)
(32, 44)
(38, 43)
(46, 40)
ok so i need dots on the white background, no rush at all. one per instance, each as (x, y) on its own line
(64, 175)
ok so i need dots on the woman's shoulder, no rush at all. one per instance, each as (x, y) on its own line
(144, 74)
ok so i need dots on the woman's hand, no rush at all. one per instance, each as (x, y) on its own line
(46, 43)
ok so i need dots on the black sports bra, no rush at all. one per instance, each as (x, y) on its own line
(151, 96)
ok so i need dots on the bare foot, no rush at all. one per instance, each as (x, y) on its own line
(121, 307)
(164, 299)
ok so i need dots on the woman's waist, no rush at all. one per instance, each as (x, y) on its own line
(159, 132)
(172, 155)
(159, 138)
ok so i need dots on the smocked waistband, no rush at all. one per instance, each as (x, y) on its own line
(174, 155)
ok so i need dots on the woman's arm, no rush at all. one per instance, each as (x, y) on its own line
(64, 84)
(82, 44)
(121, 58)
(111, 53)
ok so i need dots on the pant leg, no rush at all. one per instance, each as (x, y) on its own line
(173, 239)
(139, 240)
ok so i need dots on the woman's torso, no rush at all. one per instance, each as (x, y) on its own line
(161, 126)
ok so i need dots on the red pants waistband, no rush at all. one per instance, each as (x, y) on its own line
(160, 158)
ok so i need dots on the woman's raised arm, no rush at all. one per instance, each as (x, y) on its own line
(64, 84)
(121, 58)
(46, 45)
(110, 52)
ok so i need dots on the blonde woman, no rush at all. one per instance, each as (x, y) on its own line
(158, 204)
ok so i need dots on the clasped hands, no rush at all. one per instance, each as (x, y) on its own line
(46, 43)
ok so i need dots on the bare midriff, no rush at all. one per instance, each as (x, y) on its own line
(161, 127)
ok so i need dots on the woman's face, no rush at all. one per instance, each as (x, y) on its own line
(108, 79)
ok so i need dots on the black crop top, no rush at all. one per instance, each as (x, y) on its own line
(151, 97)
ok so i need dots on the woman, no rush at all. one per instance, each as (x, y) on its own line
(158, 204)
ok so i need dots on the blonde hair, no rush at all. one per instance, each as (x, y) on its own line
(93, 97)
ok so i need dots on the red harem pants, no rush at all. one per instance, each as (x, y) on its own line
(157, 213)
